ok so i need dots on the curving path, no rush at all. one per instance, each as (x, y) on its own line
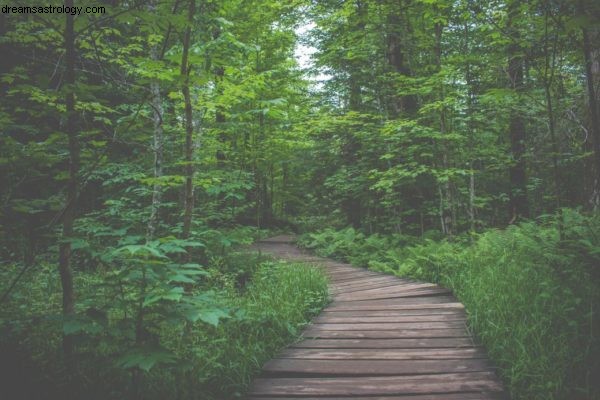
(381, 338)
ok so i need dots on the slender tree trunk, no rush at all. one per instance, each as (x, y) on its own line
(220, 120)
(470, 131)
(441, 211)
(451, 217)
(189, 125)
(219, 112)
(519, 205)
(592, 74)
(64, 264)
(157, 147)
(548, 81)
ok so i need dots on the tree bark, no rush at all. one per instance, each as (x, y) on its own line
(64, 261)
(519, 205)
(189, 125)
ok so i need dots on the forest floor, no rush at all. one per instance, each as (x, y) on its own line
(380, 336)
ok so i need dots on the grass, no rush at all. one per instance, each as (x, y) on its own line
(265, 313)
(531, 296)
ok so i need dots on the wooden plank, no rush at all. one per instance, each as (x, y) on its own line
(394, 282)
(366, 285)
(387, 288)
(392, 326)
(359, 283)
(358, 296)
(373, 367)
(437, 396)
(395, 312)
(383, 354)
(380, 385)
(349, 277)
(369, 305)
(399, 287)
(377, 279)
(378, 307)
(453, 342)
(394, 334)
(357, 319)
(287, 239)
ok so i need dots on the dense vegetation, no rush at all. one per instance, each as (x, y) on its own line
(143, 145)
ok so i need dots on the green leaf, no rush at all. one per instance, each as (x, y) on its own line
(146, 358)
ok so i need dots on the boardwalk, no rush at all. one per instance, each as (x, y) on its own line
(381, 338)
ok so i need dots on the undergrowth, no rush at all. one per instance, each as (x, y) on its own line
(531, 296)
(262, 306)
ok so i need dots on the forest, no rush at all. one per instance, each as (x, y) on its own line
(146, 144)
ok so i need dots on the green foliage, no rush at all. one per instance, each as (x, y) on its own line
(355, 247)
(211, 342)
(531, 296)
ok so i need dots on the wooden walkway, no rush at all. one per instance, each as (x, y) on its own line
(381, 338)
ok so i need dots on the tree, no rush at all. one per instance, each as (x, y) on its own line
(189, 124)
(519, 207)
(70, 207)
(591, 36)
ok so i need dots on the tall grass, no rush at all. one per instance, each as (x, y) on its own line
(532, 297)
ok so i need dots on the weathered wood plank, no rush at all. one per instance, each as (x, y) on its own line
(393, 334)
(389, 326)
(358, 319)
(373, 367)
(379, 305)
(438, 396)
(380, 385)
(402, 312)
(358, 296)
(375, 279)
(383, 354)
(338, 289)
(451, 342)
(395, 287)
(394, 302)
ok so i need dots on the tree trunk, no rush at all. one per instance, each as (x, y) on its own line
(157, 146)
(219, 112)
(592, 74)
(64, 262)
(406, 104)
(548, 81)
(189, 125)
(519, 206)
(449, 217)
(471, 209)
